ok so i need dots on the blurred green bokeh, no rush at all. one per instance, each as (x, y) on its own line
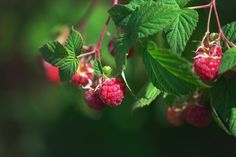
(38, 119)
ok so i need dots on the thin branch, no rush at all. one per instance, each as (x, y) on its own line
(201, 6)
(98, 49)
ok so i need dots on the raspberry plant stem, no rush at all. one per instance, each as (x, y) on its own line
(200, 6)
(98, 48)
(212, 5)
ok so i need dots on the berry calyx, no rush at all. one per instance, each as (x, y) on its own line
(112, 92)
(197, 115)
(207, 62)
(111, 48)
(84, 75)
(51, 72)
(93, 101)
(174, 116)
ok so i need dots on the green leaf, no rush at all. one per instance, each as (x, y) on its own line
(181, 29)
(169, 72)
(230, 31)
(223, 100)
(53, 52)
(228, 60)
(136, 3)
(74, 42)
(97, 67)
(182, 3)
(122, 46)
(119, 13)
(146, 96)
(61, 57)
(67, 68)
(151, 17)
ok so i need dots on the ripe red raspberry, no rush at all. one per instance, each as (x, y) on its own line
(111, 46)
(174, 116)
(112, 92)
(93, 101)
(197, 115)
(84, 75)
(207, 63)
(51, 72)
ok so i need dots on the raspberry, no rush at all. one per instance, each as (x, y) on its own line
(174, 116)
(84, 74)
(111, 46)
(93, 101)
(197, 115)
(51, 72)
(112, 92)
(207, 63)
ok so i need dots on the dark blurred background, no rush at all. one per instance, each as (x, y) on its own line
(39, 119)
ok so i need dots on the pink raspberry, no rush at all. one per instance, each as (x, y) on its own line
(197, 115)
(174, 116)
(207, 63)
(111, 46)
(93, 101)
(112, 92)
(84, 74)
(51, 72)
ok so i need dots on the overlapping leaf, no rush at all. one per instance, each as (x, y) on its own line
(168, 72)
(230, 31)
(224, 102)
(74, 42)
(64, 57)
(181, 29)
(146, 96)
(228, 60)
(151, 17)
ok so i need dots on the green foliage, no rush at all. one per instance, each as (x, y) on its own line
(74, 42)
(122, 46)
(97, 67)
(181, 29)
(230, 31)
(64, 57)
(182, 3)
(168, 72)
(150, 18)
(228, 60)
(224, 102)
(119, 14)
(146, 96)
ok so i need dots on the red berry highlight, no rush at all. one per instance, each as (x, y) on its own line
(174, 116)
(112, 92)
(207, 63)
(197, 115)
(84, 75)
(93, 101)
(51, 72)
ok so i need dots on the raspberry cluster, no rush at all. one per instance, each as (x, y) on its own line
(207, 61)
(197, 115)
(109, 93)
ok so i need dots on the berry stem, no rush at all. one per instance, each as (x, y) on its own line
(201, 6)
(87, 54)
(209, 20)
(98, 48)
(221, 33)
